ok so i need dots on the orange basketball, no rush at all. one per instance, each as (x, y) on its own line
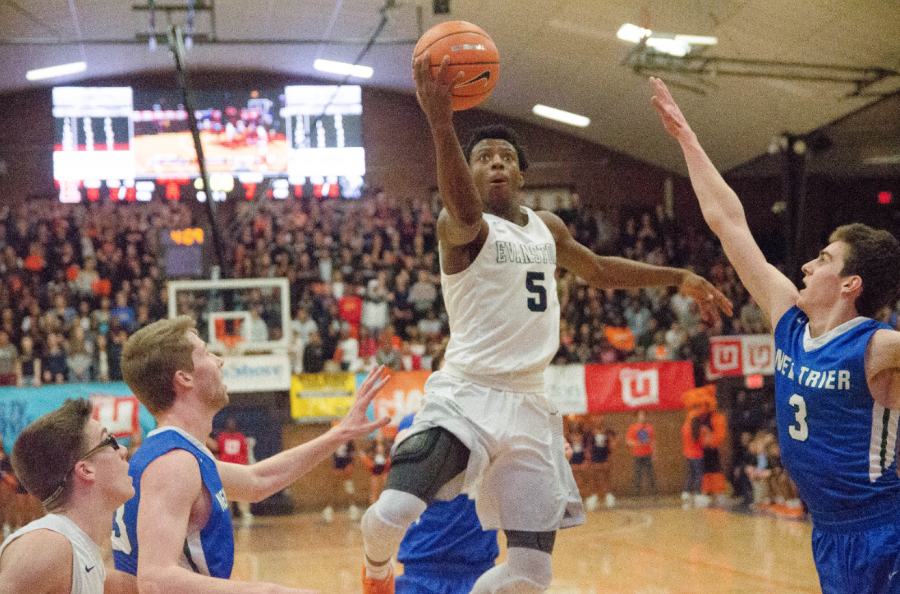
(471, 51)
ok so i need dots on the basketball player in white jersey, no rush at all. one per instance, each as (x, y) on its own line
(485, 418)
(77, 469)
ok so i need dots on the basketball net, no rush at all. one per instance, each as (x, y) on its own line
(233, 344)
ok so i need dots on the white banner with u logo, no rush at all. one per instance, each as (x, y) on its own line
(742, 355)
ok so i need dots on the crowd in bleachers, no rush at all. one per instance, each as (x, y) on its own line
(364, 278)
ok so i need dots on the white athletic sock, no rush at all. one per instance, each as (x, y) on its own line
(526, 571)
(384, 525)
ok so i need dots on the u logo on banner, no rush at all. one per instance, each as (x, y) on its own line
(118, 414)
(726, 356)
(640, 387)
(760, 356)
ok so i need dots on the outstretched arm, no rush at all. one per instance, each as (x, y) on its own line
(461, 221)
(724, 214)
(604, 272)
(260, 480)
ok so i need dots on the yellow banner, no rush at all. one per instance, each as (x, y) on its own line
(322, 394)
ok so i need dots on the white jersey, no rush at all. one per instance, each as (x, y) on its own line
(503, 308)
(88, 573)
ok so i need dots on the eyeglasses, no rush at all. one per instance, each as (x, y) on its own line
(109, 441)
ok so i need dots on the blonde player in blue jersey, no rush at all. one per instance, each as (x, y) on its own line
(837, 376)
(485, 418)
(175, 534)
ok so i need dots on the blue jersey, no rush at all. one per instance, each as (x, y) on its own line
(209, 551)
(448, 538)
(837, 444)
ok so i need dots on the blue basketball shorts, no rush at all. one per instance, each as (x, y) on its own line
(437, 583)
(863, 562)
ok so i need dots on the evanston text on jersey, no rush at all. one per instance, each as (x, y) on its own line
(828, 379)
(510, 251)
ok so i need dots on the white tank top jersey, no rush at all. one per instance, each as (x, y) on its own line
(503, 308)
(88, 573)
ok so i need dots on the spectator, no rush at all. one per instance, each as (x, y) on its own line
(692, 446)
(349, 348)
(63, 312)
(599, 443)
(641, 439)
(752, 318)
(79, 356)
(231, 446)
(696, 349)
(28, 369)
(637, 316)
(314, 354)
(368, 346)
(9, 355)
(350, 306)
(115, 341)
(258, 330)
(376, 309)
(423, 293)
(675, 337)
(101, 360)
(54, 361)
(430, 326)
(387, 355)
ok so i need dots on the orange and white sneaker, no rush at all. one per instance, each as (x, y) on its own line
(382, 586)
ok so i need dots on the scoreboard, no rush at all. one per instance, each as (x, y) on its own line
(118, 143)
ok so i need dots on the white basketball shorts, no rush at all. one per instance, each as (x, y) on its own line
(517, 469)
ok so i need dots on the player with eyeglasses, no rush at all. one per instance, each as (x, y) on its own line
(78, 471)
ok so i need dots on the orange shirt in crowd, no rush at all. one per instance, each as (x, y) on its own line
(620, 338)
(640, 438)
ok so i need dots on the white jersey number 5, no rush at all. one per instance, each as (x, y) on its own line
(799, 430)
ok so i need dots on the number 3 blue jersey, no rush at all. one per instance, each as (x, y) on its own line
(209, 551)
(837, 443)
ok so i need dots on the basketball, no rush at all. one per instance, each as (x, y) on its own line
(471, 51)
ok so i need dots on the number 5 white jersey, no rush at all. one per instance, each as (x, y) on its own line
(503, 308)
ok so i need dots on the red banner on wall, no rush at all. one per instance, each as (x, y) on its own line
(628, 386)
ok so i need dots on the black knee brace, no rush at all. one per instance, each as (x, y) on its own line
(540, 541)
(426, 461)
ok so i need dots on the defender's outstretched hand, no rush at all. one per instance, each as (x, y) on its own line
(356, 424)
(435, 94)
(668, 110)
(709, 298)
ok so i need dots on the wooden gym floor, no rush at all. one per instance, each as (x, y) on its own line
(634, 549)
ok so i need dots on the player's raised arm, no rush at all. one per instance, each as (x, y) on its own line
(461, 221)
(256, 482)
(605, 272)
(724, 214)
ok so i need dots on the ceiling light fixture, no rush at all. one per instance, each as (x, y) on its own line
(559, 115)
(667, 43)
(343, 68)
(54, 71)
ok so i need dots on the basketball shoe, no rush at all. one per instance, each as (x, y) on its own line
(383, 586)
